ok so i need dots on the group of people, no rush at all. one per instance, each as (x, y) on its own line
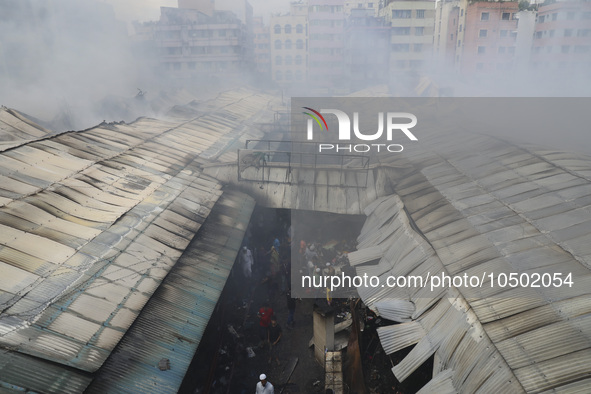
(264, 264)
(316, 261)
(272, 266)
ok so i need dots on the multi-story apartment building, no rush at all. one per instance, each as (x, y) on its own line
(205, 6)
(244, 12)
(262, 47)
(411, 35)
(371, 5)
(326, 67)
(447, 16)
(482, 37)
(526, 23)
(289, 42)
(489, 39)
(367, 46)
(562, 39)
(189, 42)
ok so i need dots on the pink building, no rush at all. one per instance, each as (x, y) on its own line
(562, 39)
(489, 37)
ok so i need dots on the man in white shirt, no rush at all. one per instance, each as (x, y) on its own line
(246, 261)
(264, 387)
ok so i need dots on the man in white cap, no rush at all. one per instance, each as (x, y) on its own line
(264, 387)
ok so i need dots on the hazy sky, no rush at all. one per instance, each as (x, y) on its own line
(144, 10)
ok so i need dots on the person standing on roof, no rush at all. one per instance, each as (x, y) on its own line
(264, 386)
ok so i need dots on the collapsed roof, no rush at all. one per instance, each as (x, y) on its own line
(96, 251)
(93, 223)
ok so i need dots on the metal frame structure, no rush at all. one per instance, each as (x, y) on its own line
(293, 159)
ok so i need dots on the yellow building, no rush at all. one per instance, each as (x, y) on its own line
(411, 37)
(289, 44)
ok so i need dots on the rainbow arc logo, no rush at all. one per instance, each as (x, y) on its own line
(316, 117)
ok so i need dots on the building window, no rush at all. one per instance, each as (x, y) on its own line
(501, 50)
(401, 14)
(287, 44)
(570, 16)
(511, 50)
(277, 29)
(278, 75)
(176, 66)
(400, 47)
(504, 33)
(541, 19)
(420, 14)
(299, 29)
(506, 16)
(484, 16)
(568, 32)
(586, 15)
(418, 47)
(288, 60)
(551, 33)
(369, 5)
(565, 48)
(481, 50)
(298, 75)
(549, 49)
(482, 33)
(459, 42)
(173, 50)
(278, 60)
(299, 44)
(401, 31)
(554, 16)
(461, 28)
(583, 32)
(538, 34)
(192, 65)
(298, 60)
(462, 12)
(419, 31)
(277, 44)
(480, 66)
(288, 75)
(222, 33)
(287, 29)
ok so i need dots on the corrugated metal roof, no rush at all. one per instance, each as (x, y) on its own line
(93, 221)
(487, 206)
(173, 321)
(16, 129)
